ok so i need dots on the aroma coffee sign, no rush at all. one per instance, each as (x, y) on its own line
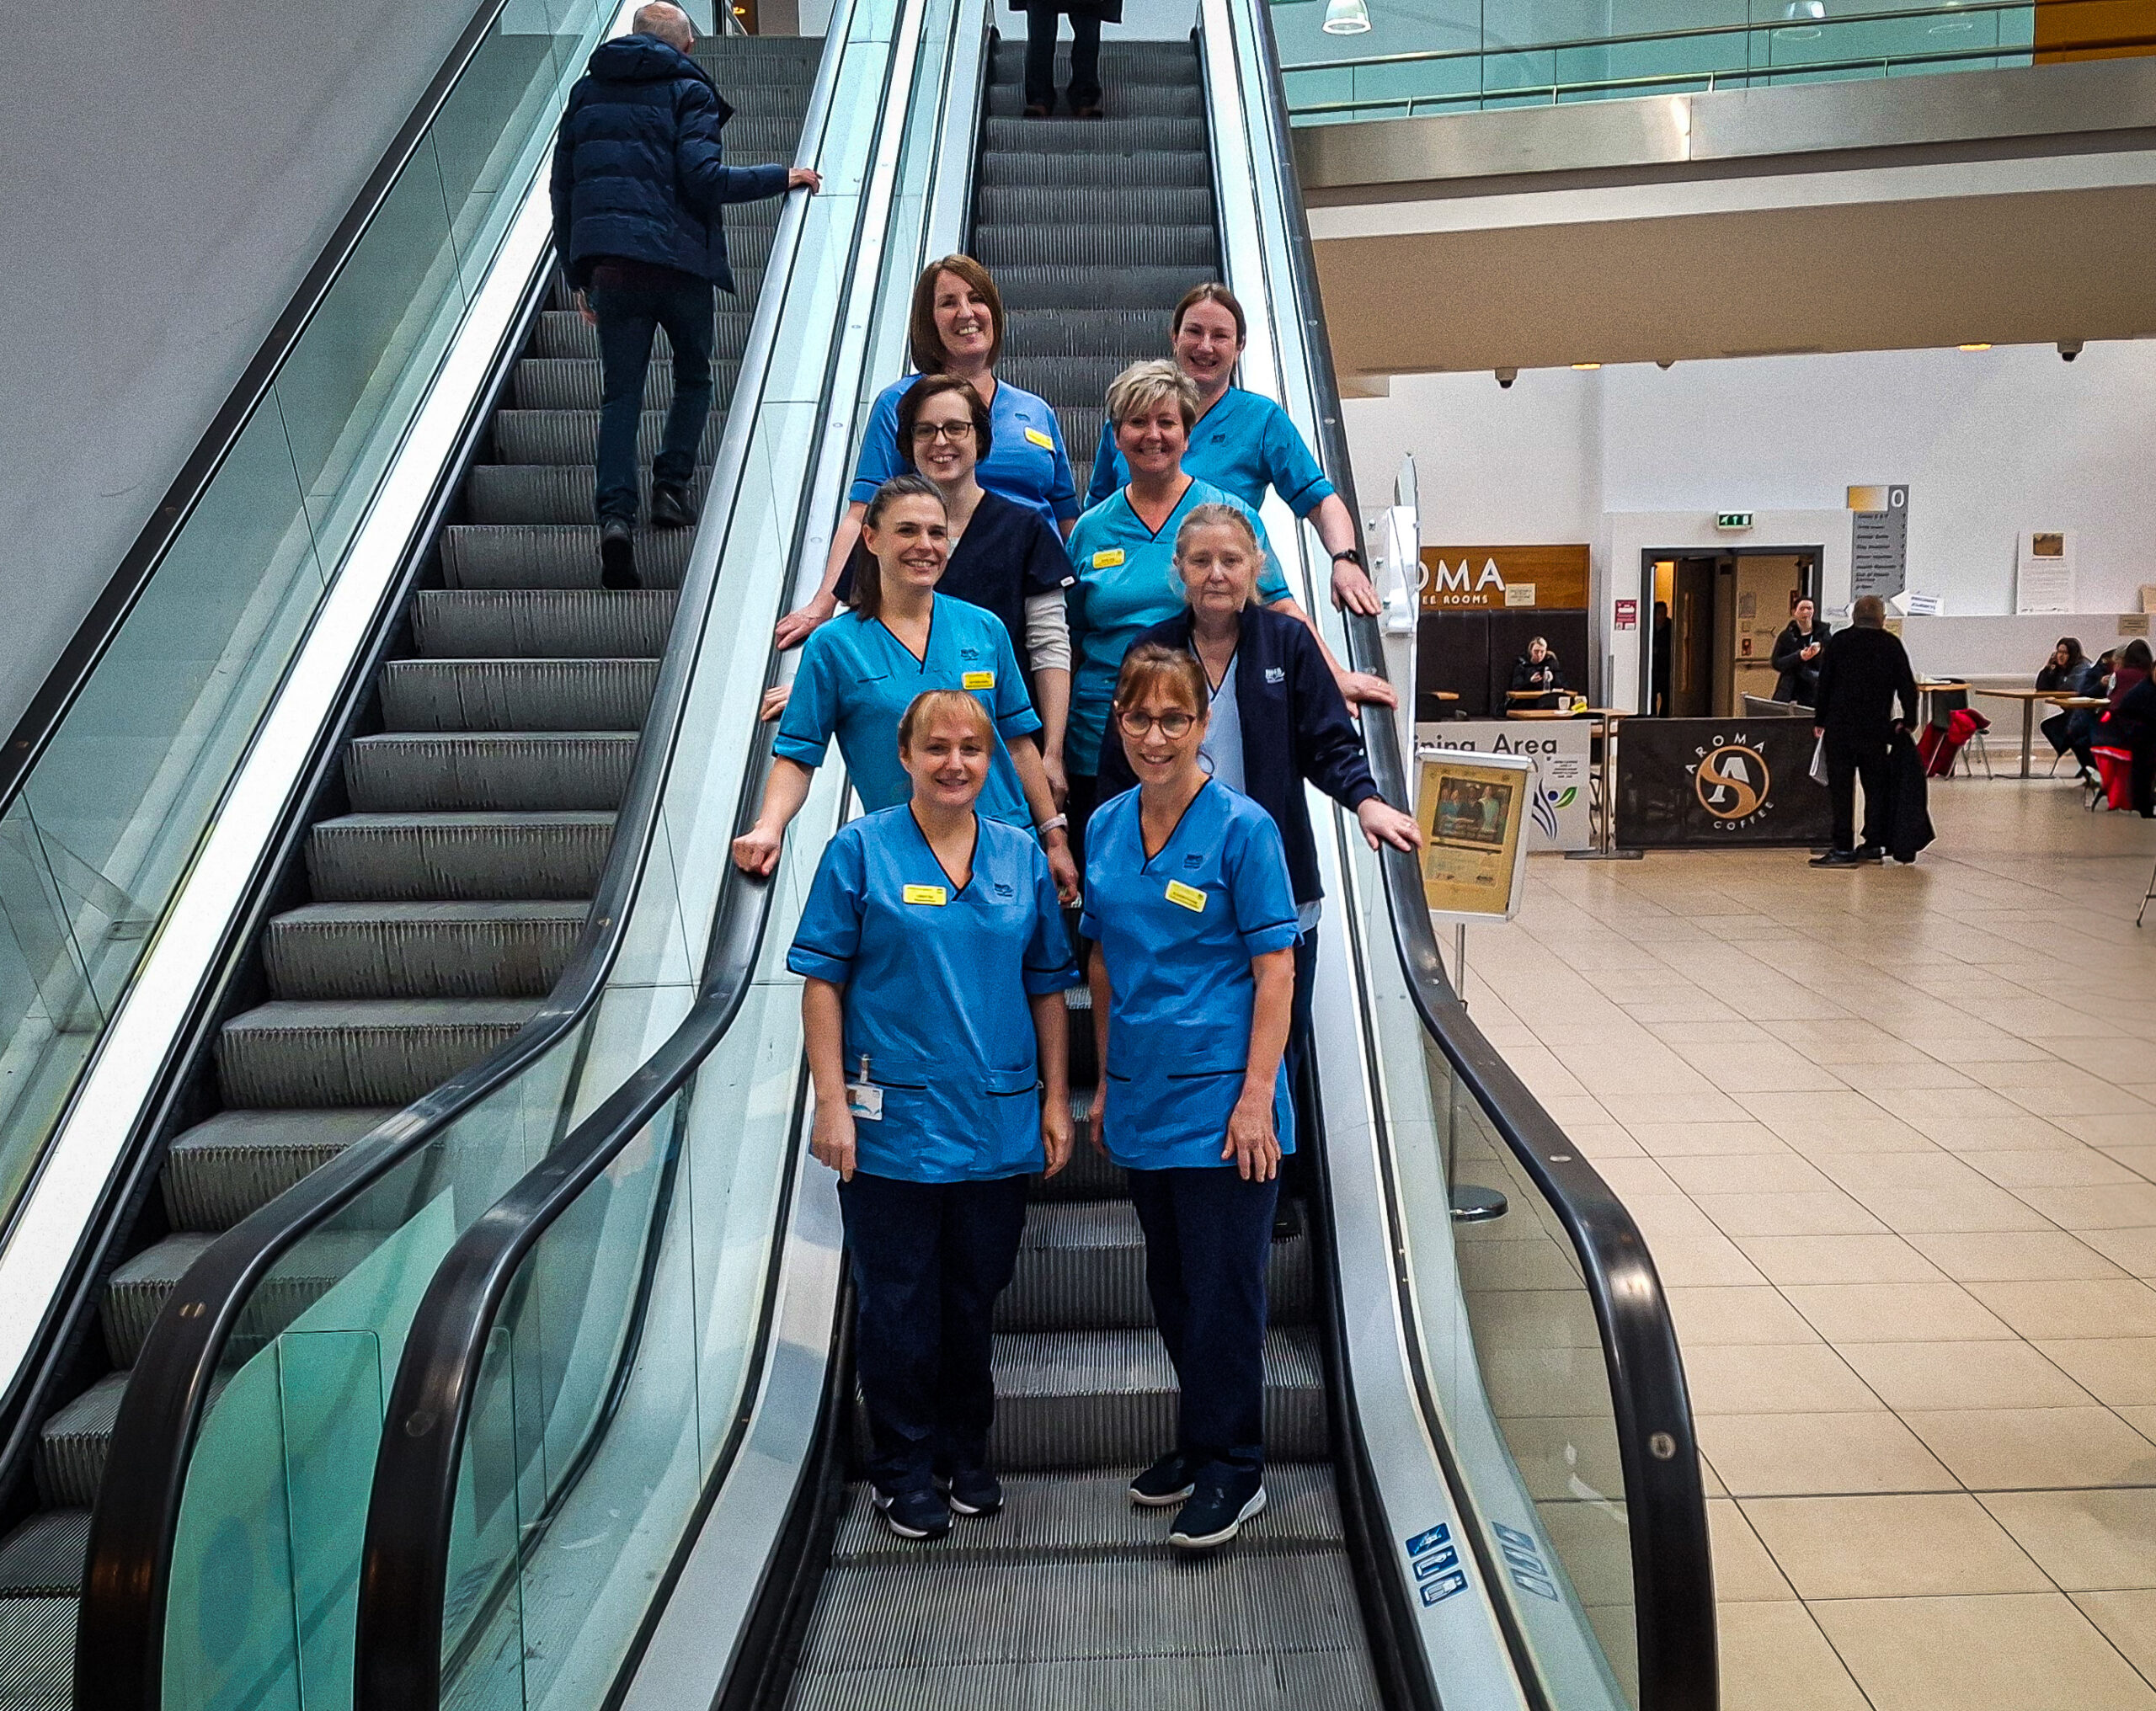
(1700, 782)
(1480, 578)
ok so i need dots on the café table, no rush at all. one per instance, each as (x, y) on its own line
(1927, 687)
(2028, 698)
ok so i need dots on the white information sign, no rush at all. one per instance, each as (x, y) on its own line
(1562, 755)
(2044, 577)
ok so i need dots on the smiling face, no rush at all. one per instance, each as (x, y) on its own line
(1152, 440)
(1206, 345)
(1219, 570)
(911, 542)
(964, 324)
(1161, 732)
(944, 448)
(948, 761)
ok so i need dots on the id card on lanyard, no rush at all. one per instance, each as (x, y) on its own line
(863, 1098)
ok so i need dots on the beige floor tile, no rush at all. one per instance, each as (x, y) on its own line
(1677, 1140)
(1876, 1134)
(2128, 1621)
(2045, 1071)
(1666, 1106)
(1895, 1313)
(2072, 1308)
(1702, 1262)
(1630, 1177)
(1661, 1215)
(2137, 1158)
(1744, 1573)
(2121, 1129)
(2020, 1449)
(2120, 1207)
(2086, 1541)
(2052, 1167)
(1744, 1173)
(2069, 1106)
(1995, 1374)
(1799, 1455)
(1926, 1073)
(1971, 1207)
(1711, 1481)
(1890, 1546)
(2118, 1372)
(1774, 1379)
(1868, 1172)
(1922, 1104)
(2012, 1255)
(1826, 1213)
(2132, 1249)
(1814, 1112)
(1574, 1111)
(2031, 1651)
(1706, 1317)
(1773, 1658)
(1603, 1140)
(1857, 1259)
(2018, 1134)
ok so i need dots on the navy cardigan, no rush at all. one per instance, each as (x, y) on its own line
(1296, 730)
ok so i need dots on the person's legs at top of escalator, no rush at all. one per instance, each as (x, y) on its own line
(685, 313)
(1040, 61)
(1084, 92)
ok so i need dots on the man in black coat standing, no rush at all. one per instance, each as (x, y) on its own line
(638, 181)
(1862, 672)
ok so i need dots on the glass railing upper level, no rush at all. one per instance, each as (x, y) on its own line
(1401, 59)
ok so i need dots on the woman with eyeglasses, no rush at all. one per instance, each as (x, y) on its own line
(955, 328)
(1192, 927)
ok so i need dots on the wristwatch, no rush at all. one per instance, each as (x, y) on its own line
(1352, 554)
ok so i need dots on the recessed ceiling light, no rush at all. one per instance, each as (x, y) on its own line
(1586, 367)
(1973, 347)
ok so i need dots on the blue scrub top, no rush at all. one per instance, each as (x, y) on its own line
(1127, 583)
(1025, 461)
(856, 680)
(937, 977)
(1178, 933)
(1245, 443)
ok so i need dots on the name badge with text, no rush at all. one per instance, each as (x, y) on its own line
(1189, 896)
(933, 895)
(1040, 440)
(1108, 558)
(978, 680)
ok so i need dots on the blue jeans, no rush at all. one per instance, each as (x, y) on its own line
(627, 319)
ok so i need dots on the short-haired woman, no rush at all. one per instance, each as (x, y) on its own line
(859, 673)
(934, 957)
(1193, 925)
(1243, 441)
(955, 328)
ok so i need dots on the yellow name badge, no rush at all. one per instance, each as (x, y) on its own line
(933, 894)
(978, 680)
(1107, 560)
(1040, 440)
(1188, 896)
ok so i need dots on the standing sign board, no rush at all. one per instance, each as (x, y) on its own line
(1561, 752)
(1879, 540)
(1701, 783)
(2044, 574)
(1473, 810)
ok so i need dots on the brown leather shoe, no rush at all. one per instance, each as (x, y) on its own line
(1093, 112)
(1035, 111)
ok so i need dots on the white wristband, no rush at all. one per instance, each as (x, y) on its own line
(1059, 824)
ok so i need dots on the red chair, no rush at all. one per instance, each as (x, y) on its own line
(2116, 767)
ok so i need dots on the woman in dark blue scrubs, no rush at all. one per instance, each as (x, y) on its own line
(934, 957)
(1192, 923)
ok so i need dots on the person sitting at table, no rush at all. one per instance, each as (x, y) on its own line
(2067, 672)
(2126, 728)
(1796, 655)
(1536, 670)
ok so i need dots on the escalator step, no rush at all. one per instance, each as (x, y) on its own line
(563, 333)
(1081, 433)
(1066, 381)
(1081, 1266)
(72, 1445)
(1338, 1680)
(1089, 1176)
(1151, 166)
(1042, 204)
(1124, 100)
(1108, 1398)
(421, 950)
(548, 493)
(763, 99)
(1049, 290)
(137, 1292)
(574, 383)
(1121, 62)
(1126, 139)
(1129, 334)
(1154, 248)
(43, 1558)
(287, 1055)
(37, 1654)
(356, 857)
(551, 624)
(238, 1161)
(554, 555)
(518, 772)
(572, 436)
(518, 695)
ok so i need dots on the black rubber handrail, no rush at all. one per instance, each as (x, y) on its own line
(1673, 1579)
(119, 1636)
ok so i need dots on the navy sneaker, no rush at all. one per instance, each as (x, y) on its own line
(1217, 1511)
(919, 1513)
(973, 1491)
(1166, 1483)
(617, 554)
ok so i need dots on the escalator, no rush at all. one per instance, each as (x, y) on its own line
(435, 890)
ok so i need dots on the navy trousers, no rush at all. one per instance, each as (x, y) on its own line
(929, 1260)
(626, 321)
(1208, 1236)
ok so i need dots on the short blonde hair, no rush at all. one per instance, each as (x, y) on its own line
(1144, 384)
(933, 704)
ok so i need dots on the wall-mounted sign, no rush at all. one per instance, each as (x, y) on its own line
(1702, 782)
(1628, 614)
(1732, 520)
(1475, 578)
(2132, 624)
(1561, 752)
(2044, 573)
(1473, 810)
(1879, 540)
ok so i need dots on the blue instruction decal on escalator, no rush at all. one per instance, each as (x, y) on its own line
(1525, 1559)
(1436, 1560)
(1423, 1542)
(1437, 1591)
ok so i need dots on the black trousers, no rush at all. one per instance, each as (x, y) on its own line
(1850, 759)
(1208, 1234)
(626, 321)
(1040, 58)
(929, 1260)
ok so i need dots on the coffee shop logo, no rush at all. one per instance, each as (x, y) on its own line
(1460, 584)
(1731, 780)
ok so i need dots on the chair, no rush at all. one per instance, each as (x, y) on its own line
(2146, 897)
(1944, 704)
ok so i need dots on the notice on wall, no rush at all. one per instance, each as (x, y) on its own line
(1879, 540)
(1473, 812)
(1561, 751)
(2043, 579)
(1628, 614)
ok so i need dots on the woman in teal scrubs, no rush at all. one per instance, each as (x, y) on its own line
(934, 958)
(861, 671)
(1193, 921)
(1244, 442)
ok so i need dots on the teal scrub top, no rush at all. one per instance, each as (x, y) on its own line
(856, 680)
(1026, 460)
(1245, 443)
(1178, 933)
(935, 977)
(1126, 583)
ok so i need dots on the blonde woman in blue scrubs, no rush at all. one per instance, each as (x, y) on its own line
(934, 957)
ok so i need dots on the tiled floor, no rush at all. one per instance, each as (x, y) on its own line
(1891, 1136)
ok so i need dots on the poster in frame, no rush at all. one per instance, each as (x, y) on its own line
(1473, 810)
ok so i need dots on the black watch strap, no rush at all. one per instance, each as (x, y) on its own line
(1352, 554)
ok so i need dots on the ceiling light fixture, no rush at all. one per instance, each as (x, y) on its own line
(1347, 18)
(1973, 347)
(1802, 18)
(1587, 367)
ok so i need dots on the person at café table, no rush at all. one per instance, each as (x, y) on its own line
(1535, 671)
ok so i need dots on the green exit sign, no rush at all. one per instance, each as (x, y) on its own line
(1732, 520)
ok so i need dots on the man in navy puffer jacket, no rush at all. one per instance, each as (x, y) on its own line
(639, 180)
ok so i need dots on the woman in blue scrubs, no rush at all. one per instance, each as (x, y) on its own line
(861, 671)
(1192, 922)
(1243, 442)
(934, 958)
(956, 328)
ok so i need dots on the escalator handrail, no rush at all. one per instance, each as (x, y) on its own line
(120, 1643)
(1666, 1510)
(62, 685)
